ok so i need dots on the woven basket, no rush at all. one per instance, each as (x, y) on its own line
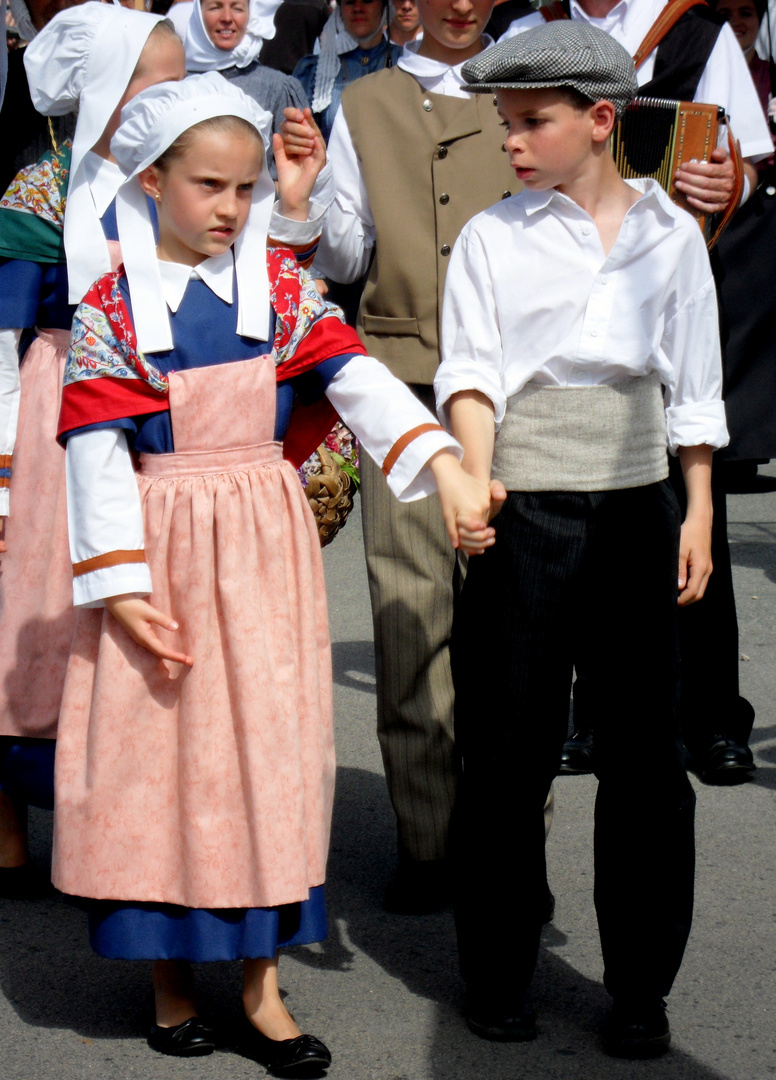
(330, 494)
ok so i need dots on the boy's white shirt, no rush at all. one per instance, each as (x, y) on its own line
(103, 501)
(725, 81)
(104, 179)
(348, 230)
(530, 296)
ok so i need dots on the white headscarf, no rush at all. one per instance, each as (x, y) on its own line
(203, 55)
(84, 58)
(330, 46)
(151, 122)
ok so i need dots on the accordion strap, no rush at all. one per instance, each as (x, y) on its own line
(734, 149)
(666, 20)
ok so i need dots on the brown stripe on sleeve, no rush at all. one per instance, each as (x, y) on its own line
(5, 461)
(110, 558)
(404, 441)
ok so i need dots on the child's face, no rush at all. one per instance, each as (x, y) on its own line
(454, 24)
(204, 196)
(550, 142)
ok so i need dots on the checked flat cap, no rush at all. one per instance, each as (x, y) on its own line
(561, 53)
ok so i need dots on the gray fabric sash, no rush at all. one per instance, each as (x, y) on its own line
(583, 438)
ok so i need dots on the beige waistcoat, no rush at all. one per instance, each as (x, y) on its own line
(429, 163)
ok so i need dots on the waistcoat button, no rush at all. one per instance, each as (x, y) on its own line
(505, 194)
(444, 199)
(442, 151)
(428, 105)
(445, 249)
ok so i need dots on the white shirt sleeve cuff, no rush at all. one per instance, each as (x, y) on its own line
(454, 376)
(5, 502)
(90, 590)
(411, 478)
(697, 424)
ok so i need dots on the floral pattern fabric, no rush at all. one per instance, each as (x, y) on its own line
(41, 189)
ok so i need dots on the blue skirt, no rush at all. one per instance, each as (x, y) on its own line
(27, 770)
(146, 931)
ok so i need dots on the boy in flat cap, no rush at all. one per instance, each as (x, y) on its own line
(579, 327)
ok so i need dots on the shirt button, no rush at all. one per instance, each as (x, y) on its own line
(593, 333)
(442, 151)
(445, 249)
(506, 194)
(444, 199)
(586, 230)
(428, 105)
(604, 279)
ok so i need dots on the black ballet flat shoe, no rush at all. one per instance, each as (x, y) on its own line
(192, 1038)
(304, 1056)
(24, 883)
(637, 1030)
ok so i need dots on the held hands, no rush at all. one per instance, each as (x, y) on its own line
(708, 185)
(468, 504)
(3, 545)
(300, 154)
(138, 619)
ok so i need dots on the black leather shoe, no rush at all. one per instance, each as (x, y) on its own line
(513, 1025)
(637, 1030)
(303, 1056)
(724, 761)
(192, 1038)
(419, 888)
(577, 756)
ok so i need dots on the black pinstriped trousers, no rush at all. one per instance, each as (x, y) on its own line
(570, 568)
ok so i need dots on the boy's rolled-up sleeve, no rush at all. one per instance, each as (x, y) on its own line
(472, 357)
(695, 412)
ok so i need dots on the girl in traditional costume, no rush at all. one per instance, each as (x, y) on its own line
(195, 765)
(93, 57)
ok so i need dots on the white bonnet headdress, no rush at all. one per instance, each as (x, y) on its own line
(330, 46)
(84, 59)
(203, 55)
(151, 122)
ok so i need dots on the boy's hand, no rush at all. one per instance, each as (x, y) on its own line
(297, 175)
(299, 132)
(694, 560)
(138, 619)
(466, 504)
(3, 545)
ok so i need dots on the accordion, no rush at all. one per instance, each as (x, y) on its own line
(656, 136)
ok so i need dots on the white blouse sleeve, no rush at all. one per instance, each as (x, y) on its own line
(104, 518)
(349, 234)
(398, 433)
(10, 390)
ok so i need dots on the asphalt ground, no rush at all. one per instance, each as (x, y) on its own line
(383, 991)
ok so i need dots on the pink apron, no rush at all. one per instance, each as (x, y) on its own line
(211, 786)
(36, 580)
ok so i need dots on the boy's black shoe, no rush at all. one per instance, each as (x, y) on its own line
(637, 1030)
(577, 756)
(516, 1024)
(724, 761)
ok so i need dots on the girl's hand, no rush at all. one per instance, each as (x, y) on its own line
(3, 545)
(466, 504)
(298, 170)
(138, 619)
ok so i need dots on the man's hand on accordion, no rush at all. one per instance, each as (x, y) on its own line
(709, 185)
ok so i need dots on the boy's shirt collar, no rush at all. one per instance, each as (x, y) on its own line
(534, 201)
(217, 273)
